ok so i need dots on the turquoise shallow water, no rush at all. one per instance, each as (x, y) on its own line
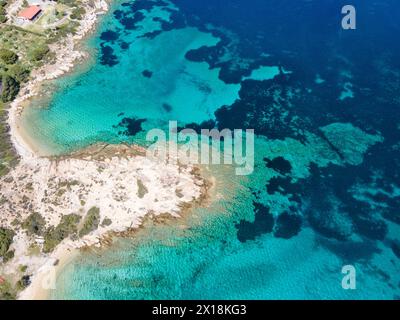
(200, 257)
(87, 106)
(324, 192)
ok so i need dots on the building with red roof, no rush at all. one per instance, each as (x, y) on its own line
(30, 13)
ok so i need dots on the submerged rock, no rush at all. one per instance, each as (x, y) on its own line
(396, 248)
(263, 223)
(287, 225)
(279, 164)
(349, 142)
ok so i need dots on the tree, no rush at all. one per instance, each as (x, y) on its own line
(38, 53)
(77, 13)
(6, 238)
(66, 227)
(34, 224)
(10, 88)
(3, 17)
(91, 221)
(19, 73)
(8, 56)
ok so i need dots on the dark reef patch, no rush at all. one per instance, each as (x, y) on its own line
(109, 35)
(279, 164)
(108, 58)
(167, 107)
(287, 225)
(177, 21)
(129, 126)
(395, 245)
(370, 227)
(133, 12)
(147, 74)
(124, 45)
(263, 223)
(325, 220)
(129, 23)
(207, 125)
(151, 35)
(391, 211)
(263, 105)
(351, 251)
(285, 186)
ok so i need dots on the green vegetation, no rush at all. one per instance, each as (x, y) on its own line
(3, 18)
(34, 224)
(23, 283)
(66, 227)
(8, 56)
(142, 190)
(106, 222)
(6, 238)
(23, 49)
(10, 88)
(77, 13)
(70, 3)
(19, 72)
(62, 31)
(8, 157)
(6, 291)
(23, 268)
(8, 256)
(39, 52)
(91, 221)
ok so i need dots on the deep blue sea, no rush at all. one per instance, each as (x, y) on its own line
(325, 106)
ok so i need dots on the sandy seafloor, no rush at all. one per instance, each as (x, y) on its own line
(325, 191)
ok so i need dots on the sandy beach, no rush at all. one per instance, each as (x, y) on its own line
(118, 180)
(68, 53)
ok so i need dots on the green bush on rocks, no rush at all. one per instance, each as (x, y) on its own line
(9, 88)
(8, 56)
(6, 238)
(34, 224)
(66, 227)
(91, 221)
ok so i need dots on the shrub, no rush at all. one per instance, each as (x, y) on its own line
(34, 224)
(106, 222)
(6, 238)
(38, 53)
(8, 56)
(10, 88)
(77, 13)
(8, 256)
(3, 18)
(6, 291)
(68, 2)
(91, 221)
(66, 227)
(23, 268)
(19, 73)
